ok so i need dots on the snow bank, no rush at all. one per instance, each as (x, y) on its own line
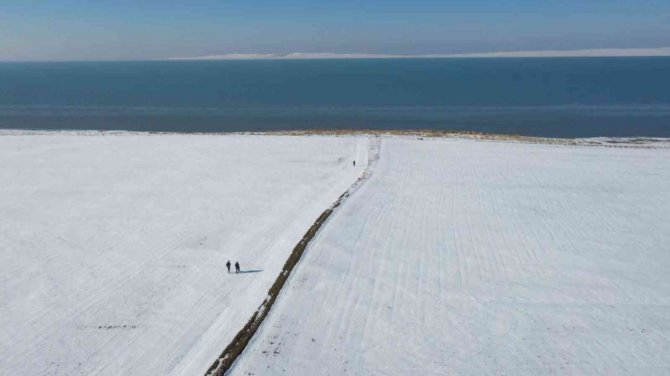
(465, 257)
(112, 247)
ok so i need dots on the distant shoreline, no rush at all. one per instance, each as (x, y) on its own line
(600, 52)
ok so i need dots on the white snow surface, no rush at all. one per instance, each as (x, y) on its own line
(468, 257)
(112, 246)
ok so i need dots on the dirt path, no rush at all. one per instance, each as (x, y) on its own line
(223, 363)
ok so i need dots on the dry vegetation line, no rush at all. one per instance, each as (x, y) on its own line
(238, 344)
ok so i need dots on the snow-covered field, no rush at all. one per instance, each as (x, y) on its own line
(464, 257)
(112, 248)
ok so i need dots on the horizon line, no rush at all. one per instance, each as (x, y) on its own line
(578, 53)
(599, 52)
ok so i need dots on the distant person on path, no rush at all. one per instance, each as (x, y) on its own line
(228, 266)
(237, 267)
(354, 163)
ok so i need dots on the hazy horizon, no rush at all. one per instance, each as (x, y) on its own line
(583, 53)
(612, 52)
(74, 30)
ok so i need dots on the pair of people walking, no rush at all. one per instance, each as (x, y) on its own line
(237, 266)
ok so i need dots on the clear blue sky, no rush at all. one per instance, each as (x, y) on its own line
(147, 29)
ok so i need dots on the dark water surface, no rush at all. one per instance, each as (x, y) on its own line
(553, 97)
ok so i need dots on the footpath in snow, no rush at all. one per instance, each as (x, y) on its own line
(112, 247)
(467, 257)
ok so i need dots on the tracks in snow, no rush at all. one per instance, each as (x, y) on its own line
(235, 348)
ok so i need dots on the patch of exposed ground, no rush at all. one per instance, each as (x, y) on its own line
(618, 142)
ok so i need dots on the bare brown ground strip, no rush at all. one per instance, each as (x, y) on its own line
(625, 142)
(628, 142)
(239, 343)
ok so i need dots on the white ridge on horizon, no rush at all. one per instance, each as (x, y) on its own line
(602, 52)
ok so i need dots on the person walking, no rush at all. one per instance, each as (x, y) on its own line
(228, 266)
(237, 267)
(354, 163)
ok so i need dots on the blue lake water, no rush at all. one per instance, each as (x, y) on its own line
(553, 97)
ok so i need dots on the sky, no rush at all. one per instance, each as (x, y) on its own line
(155, 29)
